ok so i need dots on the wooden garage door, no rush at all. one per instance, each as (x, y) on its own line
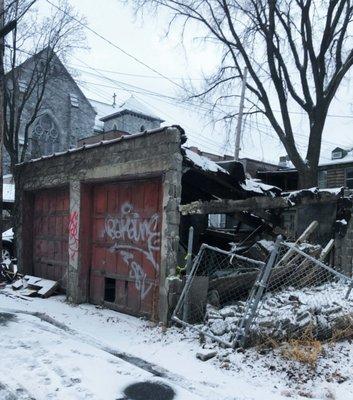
(50, 234)
(126, 246)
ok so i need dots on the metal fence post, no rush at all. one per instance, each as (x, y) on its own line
(188, 270)
(255, 296)
(188, 282)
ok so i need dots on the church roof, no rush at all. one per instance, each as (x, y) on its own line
(131, 105)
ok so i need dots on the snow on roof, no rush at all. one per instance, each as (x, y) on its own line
(131, 104)
(348, 158)
(256, 186)
(102, 110)
(8, 192)
(312, 192)
(203, 162)
(134, 105)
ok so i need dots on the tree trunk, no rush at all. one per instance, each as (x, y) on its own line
(307, 178)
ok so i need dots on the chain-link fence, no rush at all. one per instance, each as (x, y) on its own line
(240, 301)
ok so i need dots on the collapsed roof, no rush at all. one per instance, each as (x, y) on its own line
(203, 179)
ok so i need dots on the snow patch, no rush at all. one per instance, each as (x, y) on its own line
(203, 162)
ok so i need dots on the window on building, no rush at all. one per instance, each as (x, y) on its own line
(217, 221)
(322, 179)
(74, 100)
(349, 178)
(337, 154)
(45, 136)
(45, 129)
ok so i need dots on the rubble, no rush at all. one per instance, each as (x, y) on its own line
(298, 296)
(206, 355)
(288, 314)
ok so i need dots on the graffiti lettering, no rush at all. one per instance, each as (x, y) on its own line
(131, 227)
(73, 235)
(138, 274)
(133, 233)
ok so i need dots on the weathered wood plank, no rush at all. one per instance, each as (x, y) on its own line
(231, 206)
(227, 206)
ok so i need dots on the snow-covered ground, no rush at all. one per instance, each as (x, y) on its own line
(53, 350)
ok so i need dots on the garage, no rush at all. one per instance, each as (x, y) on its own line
(103, 219)
(125, 246)
(50, 234)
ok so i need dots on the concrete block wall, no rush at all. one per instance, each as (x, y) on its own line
(344, 251)
(154, 153)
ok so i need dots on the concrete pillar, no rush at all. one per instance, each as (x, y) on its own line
(170, 231)
(74, 238)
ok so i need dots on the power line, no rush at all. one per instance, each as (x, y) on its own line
(138, 75)
(116, 46)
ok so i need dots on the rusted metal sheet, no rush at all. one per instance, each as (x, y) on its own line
(50, 235)
(126, 230)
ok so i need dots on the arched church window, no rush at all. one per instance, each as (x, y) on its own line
(45, 129)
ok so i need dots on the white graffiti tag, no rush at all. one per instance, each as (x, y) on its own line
(137, 274)
(141, 234)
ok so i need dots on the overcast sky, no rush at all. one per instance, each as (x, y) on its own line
(145, 40)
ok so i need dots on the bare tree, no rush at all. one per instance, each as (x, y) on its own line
(297, 53)
(30, 58)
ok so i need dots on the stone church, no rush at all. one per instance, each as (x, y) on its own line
(67, 116)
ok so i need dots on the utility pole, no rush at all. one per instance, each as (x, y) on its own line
(240, 116)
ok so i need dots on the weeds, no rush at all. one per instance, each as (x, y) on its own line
(305, 351)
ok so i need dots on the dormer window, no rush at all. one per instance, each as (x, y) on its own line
(338, 153)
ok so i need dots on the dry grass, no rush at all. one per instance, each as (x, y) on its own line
(306, 351)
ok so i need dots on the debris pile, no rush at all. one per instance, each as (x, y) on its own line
(27, 285)
(34, 286)
(289, 314)
(270, 290)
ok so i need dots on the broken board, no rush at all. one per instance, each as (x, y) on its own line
(33, 285)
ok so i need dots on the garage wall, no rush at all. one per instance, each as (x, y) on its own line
(143, 156)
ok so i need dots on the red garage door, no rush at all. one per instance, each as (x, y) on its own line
(126, 246)
(50, 234)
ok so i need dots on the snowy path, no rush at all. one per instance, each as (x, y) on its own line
(52, 350)
(53, 364)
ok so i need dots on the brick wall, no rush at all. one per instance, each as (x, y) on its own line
(344, 250)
